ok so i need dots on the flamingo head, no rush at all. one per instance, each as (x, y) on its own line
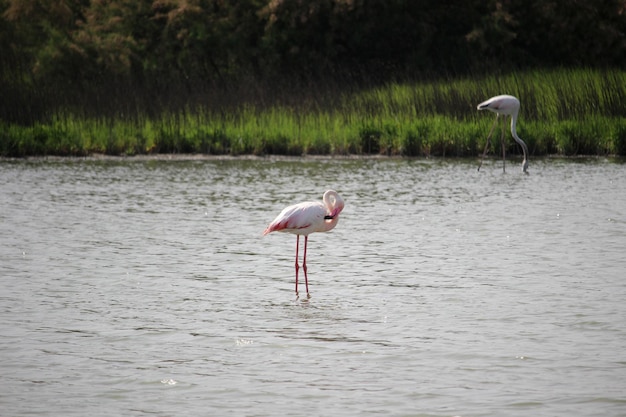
(334, 203)
(525, 166)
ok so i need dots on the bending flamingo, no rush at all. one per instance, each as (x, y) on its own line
(504, 105)
(306, 218)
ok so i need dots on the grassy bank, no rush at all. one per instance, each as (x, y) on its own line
(567, 112)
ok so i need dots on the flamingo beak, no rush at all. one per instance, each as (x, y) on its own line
(334, 213)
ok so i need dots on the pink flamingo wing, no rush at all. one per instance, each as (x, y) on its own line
(297, 217)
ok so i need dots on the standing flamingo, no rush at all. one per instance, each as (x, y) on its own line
(504, 105)
(306, 218)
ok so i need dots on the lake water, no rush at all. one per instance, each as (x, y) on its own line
(145, 287)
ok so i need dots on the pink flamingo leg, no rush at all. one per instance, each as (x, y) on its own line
(306, 278)
(495, 122)
(297, 266)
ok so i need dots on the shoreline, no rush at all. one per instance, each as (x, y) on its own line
(184, 157)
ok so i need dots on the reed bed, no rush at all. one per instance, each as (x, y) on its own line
(564, 112)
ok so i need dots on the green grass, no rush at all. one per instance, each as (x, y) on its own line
(565, 112)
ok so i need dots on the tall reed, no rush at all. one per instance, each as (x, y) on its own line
(566, 112)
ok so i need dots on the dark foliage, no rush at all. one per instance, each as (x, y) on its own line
(128, 57)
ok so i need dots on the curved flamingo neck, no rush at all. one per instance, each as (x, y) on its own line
(334, 204)
(517, 138)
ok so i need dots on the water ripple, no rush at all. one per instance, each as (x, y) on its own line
(146, 287)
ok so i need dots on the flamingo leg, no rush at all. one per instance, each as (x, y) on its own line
(306, 278)
(488, 141)
(297, 266)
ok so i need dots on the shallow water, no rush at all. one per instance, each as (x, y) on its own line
(145, 287)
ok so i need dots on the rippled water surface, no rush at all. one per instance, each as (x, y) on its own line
(146, 288)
